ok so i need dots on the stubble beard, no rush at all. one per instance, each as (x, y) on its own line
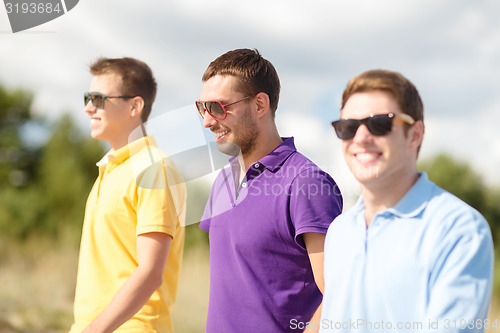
(245, 139)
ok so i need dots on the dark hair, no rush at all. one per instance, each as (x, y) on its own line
(254, 73)
(137, 79)
(403, 91)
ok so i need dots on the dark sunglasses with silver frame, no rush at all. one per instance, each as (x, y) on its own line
(98, 99)
(380, 124)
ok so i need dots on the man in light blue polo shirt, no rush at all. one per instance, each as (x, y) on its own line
(409, 256)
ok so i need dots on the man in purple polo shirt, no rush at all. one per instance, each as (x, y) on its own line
(268, 211)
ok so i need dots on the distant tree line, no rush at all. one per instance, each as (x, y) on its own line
(460, 179)
(44, 187)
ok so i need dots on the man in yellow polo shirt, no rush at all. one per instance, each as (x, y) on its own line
(132, 238)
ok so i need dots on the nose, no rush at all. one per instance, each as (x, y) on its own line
(208, 120)
(89, 108)
(362, 134)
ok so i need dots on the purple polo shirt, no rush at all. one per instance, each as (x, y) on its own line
(261, 278)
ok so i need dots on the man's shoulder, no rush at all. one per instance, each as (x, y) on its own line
(350, 214)
(150, 162)
(452, 213)
(442, 201)
(299, 158)
(149, 155)
(302, 165)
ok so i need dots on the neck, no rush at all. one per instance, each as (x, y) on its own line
(266, 143)
(128, 137)
(383, 195)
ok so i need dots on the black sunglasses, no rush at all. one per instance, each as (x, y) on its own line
(380, 124)
(98, 99)
(215, 108)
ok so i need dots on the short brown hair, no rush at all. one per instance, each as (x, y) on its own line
(254, 73)
(403, 91)
(137, 79)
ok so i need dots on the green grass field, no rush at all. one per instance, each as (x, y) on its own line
(37, 281)
(37, 284)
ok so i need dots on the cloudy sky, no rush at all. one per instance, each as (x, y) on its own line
(450, 49)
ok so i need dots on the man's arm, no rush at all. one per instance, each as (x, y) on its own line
(461, 276)
(152, 253)
(315, 244)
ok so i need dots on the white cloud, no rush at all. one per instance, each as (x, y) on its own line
(469, 138)
(449, 49)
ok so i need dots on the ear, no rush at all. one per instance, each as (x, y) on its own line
(136, 106)
(417, 134)
(262, 100)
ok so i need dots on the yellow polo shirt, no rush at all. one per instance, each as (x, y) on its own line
(138, 191)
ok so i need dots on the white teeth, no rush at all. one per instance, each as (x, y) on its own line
(365, 157)
(219, 134)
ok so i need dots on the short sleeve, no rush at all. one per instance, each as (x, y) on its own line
(315, 201)
(156, 209)
(462, 272)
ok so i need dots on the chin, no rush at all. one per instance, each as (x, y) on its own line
(365, 173)
(229, 148)
(94, 134)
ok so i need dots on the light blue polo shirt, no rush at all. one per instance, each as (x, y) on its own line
(425, 265)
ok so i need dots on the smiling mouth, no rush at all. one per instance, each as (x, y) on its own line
(367, 157)
(94, 122)
(220, 134)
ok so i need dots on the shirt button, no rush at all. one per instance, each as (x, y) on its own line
(244, 185)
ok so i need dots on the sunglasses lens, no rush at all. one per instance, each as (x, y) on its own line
(86, 98)
(98, 101)
(346, 129)
(215, 109)
(201, 108)
(379, 124)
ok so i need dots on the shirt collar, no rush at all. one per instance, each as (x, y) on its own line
(273, 160)
(277, 157)
(415, 199)
(412, 203)
(121, 155)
